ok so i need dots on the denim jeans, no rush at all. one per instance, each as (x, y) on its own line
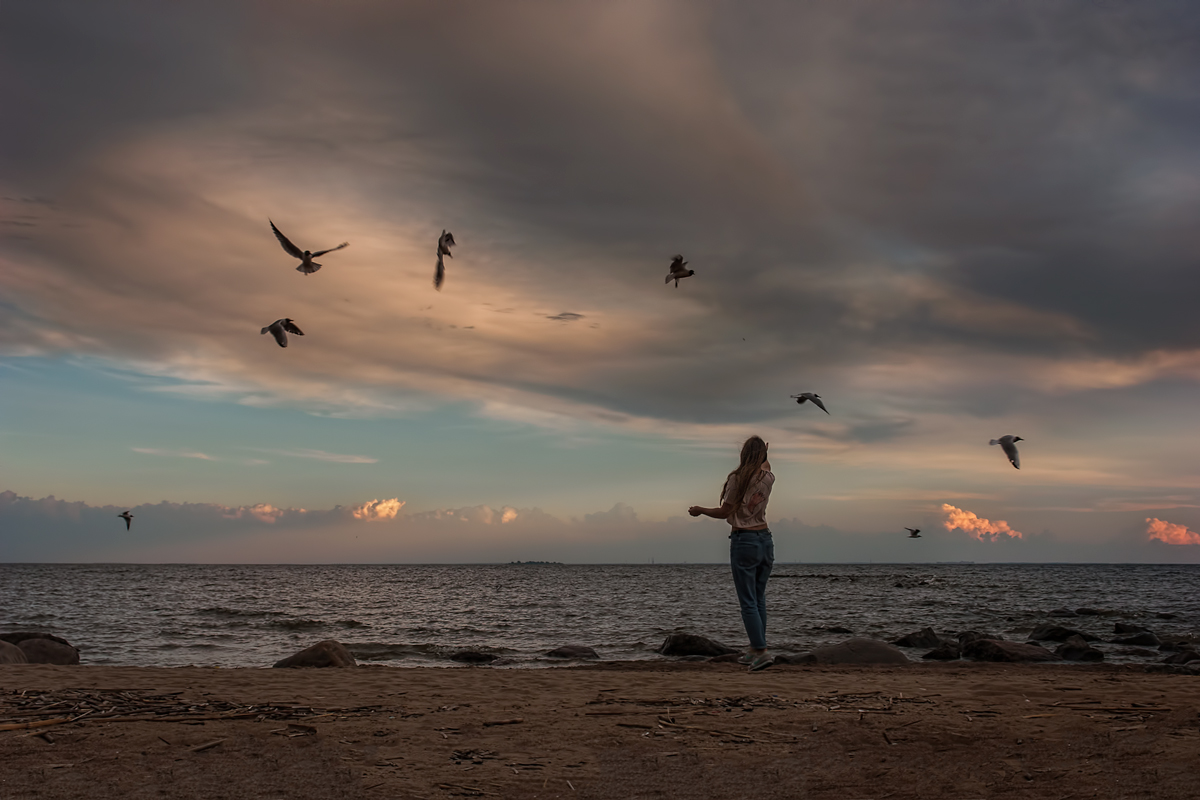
(751, 556)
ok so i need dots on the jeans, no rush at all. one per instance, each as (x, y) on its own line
(751, 556)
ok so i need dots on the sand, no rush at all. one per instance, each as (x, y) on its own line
(613, 730)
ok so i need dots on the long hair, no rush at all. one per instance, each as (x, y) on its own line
(754, 453)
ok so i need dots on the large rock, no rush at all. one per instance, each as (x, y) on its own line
(11, 654)
(1057, 633)
(966, 637)
(689, 644)
(1000, 650)
(853, 651)
(572, 651)
(1136, 651)
(948, 651)
(1076, 648)
(328, 653)
(43, 648)
(1182, 657)
(473, 657)
(922, 638)
(1146, 639)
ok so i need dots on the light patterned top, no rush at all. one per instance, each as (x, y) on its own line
(747, 516)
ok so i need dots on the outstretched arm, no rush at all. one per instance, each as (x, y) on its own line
(721, 512)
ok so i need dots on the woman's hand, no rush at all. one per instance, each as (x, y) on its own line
(695, 511)
(757, 498)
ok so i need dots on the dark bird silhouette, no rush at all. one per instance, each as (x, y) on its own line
(280, 328)
(1009, 445)
(678, 272)
(815, 398)
(128, 519)
(445, 242)
(307, 265)
(913, 533)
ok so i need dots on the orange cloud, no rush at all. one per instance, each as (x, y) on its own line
(1169, 532)
(977, 526)
(374, 510)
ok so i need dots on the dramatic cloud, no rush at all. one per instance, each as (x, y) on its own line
(378, 509)
(982, 529)
(1169, 533)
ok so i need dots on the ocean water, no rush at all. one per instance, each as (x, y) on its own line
(237, 616)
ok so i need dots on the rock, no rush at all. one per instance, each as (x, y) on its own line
(853, 651)
(48, 651)
(572, 651)
(1126, 627)
(1094, 612)
(1000, 650)
(1136, 651)
(11, 654)
(949, 651)
(43, 648)
(328, 653)
(689, 644)
(1057, 633)
(1061, 612)
(966, 637)
(922, 638)
(1165, 615)
(837, 629)
(1174, 645)
(1182, 657)
(1076, 648)
(473, 657)
(1146, 639)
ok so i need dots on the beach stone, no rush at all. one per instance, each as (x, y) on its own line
(1000, 650)
(1146, 639)
(1182, 657)
(1128, 627)
(1136, 651)
(1061, 612)
(572, 651)
(1076, 648)
(966, 637)
(922, 638)
(948, 651)
(11, 654)
(473, 657)
(853, 651)
(1057, 633)
(48, 651)
(328, 653)
(1173, 645)
(689, 644)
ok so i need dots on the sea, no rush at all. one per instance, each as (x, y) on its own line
(410, 615)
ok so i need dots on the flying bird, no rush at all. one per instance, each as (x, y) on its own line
(128, 519)
(816, 400)
(445, 242)
(913, 533)
(678, 272)
(1009, 445)
(307, 265)
(280, 328)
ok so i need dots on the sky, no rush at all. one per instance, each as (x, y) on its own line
(954, 221)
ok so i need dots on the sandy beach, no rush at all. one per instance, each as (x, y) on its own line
(613, 730)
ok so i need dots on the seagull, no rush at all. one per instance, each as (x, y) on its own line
(913, 533)
(307, 265)
(445, 242)
(280, 328)
(678, 271)
(1009, 445)
(128, 519)
(816, 400)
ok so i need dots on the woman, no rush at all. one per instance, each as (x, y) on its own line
(751, 550)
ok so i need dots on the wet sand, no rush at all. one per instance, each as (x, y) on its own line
(612, 730)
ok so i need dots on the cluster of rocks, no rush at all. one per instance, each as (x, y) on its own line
(35, 647)
(331, 653)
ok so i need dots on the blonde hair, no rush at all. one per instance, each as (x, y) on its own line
(754, 455)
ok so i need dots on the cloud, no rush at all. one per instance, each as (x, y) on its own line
(153, 451)
(566, 316)
(981, 529)
(619, 514)
(377, 509)
(321, 455)
(1163, 531)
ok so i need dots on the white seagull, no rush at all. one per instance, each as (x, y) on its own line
(913, 533)
(445, 242)
(280, 328)
(128, 519)
(816, 400)
(1009, 445)
(677, 271)
(307, 265)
